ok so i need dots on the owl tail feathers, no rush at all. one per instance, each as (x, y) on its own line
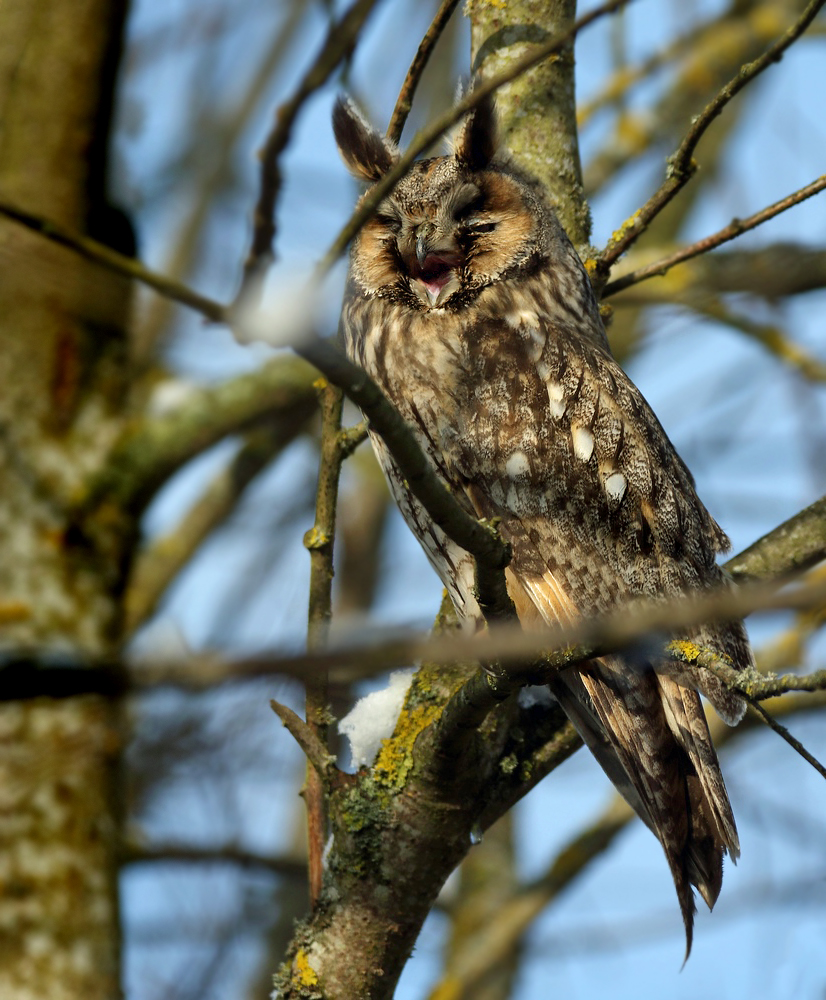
(651, 738)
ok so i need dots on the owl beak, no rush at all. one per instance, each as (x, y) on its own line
(434, 270)
(422, 244)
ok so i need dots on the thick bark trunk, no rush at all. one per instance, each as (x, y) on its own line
(62, 375)
(537, 111)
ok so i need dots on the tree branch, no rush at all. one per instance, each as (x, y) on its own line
(155, 447)
(312, 747)
(320, 541)
(792, 547)
(135, 852)
(120, 263)
(159, 564)
(734, 229)
(681, 165)
(340, 40)
(404, 102)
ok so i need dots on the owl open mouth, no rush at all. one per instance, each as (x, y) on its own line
(436, 275)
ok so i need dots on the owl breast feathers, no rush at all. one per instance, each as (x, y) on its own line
(468, 305)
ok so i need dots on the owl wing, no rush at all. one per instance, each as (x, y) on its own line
(555, 441)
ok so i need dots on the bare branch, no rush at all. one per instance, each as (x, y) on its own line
(340, 40)
(155, 447)
(314, 750)
(734, 229)
(129, 267)
(794, 546)
(158, 565)
(320, 541)
(681, 165)
(135, 852)
(404, 102)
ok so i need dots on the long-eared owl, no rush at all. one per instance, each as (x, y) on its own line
(469, 307)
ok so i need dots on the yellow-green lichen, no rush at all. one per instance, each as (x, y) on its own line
(685, 650)
(395, 758)
(629, 224)
(303, 973)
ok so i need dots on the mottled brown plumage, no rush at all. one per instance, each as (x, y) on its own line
(468, 305)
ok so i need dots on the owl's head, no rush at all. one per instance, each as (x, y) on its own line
(453, 225)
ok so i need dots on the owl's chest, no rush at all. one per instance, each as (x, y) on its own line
(451, 370)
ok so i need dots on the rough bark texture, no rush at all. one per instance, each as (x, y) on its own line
(62, 361)
(537, 111)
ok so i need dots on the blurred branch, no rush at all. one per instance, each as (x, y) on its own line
(404, 102)
(120, 263)
(341, 38)
(209, 163)
(135, 852)
(160, 563)
(771, 337)
(735, 228)
(155, 447)
(793, 546)
(770, 272)
(681, 165)
(320, 542)
(623, 79)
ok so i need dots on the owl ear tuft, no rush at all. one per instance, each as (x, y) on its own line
(367, 154)
(475, 145)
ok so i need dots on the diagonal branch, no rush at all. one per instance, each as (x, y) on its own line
(404, 102)
(735, 228)
(120, 263)
(155, 447)
(340, 40)
(681, 165)
(159, 564)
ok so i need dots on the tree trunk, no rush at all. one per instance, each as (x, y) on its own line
(63, 360)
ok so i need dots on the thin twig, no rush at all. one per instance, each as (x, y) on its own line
(339, 41)
(752, 688)
(404, 102)
(135, 852)
(129, 267)
(314, 749)
(681, 165)
(320, 540)
(781, 731)
(431, 132)
(734, 229)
